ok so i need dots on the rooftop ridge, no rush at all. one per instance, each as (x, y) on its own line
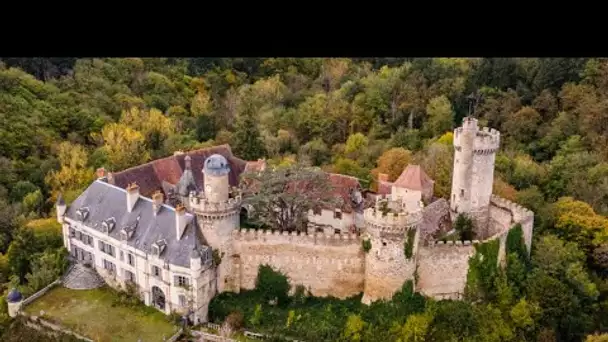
(166, 206)
(173, 156)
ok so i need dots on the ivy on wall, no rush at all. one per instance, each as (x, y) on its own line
(367, 245)
(516, 243)
(408, 245)
(483, 270)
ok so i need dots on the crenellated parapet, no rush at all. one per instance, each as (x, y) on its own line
(484, 141)
(391, 222)
(520, 214)
(277, 237)
(457, 243)
(203, 207)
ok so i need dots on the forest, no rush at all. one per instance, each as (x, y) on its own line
(61, 118)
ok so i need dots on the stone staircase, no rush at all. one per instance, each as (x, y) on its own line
(80, 277)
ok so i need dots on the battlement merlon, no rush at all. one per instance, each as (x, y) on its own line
(486, 140)
(200, 204)
(454, 243)
(277, 237)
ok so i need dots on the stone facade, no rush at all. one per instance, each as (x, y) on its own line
(329, 259)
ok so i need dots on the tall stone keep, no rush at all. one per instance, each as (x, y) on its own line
(217, 210)
(473, 176)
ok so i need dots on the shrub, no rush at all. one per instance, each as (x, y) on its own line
(235, 320)
(367, 245)
(464, 227)
(271, 284)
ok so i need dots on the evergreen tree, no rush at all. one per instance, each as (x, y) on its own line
(248, 144)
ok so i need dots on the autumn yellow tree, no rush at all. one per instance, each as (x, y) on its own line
(124, 146)
(153, 124)
(392, 163)
(73, 175)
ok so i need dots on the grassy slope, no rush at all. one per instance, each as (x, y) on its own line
(91, 313)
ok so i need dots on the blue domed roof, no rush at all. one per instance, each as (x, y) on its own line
(216, 165)
(14, 296)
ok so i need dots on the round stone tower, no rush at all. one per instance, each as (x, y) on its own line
(217, 210)
(14, 299)
(391, 261)
(473, 175)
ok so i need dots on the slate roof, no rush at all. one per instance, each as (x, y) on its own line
(150, 176)
(435, 220)
(413, 177)
(104, 201)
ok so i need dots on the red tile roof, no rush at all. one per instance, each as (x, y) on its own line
(150, 176)
(342, 186)
(413, 177)
(384, 188)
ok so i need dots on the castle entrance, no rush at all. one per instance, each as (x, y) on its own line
(158, 298)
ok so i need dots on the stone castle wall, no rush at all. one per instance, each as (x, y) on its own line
(325, 264)
(443, 267)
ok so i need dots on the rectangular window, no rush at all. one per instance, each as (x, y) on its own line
(109, 266)
(78, 235)
(130, 259)
(91, 241)
(72, 232)
(122, 256)
(156, 271)
(316, 211)
(129, 276)
(461, 192)
(181, 281)
(101, 245)
(338, 214)
(182, 300)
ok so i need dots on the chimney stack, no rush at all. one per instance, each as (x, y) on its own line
(132, 196)
(61, 207)
(101, 173)
(382, 177)
(180, 220)
(157, 202)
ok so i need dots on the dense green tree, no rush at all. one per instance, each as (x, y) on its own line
(246, 140)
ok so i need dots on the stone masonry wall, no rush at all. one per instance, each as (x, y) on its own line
(325, 264)
(443, 267)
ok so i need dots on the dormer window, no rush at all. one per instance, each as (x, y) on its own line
(158, 247)
(338, 214)
(82, 213)
(108, 225)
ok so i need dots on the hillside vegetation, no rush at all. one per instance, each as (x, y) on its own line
(60, 119)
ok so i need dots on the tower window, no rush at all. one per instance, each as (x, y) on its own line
(461, 192)
(384, 243)
(338, 214)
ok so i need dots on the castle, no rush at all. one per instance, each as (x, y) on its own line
(175, 231)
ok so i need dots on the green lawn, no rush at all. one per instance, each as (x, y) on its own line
(92, 314)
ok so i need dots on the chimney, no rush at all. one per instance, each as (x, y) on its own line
(61, 208)
(157, 202)
(132, 196)
(382, 177)
(180, 220)
(101, 173)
